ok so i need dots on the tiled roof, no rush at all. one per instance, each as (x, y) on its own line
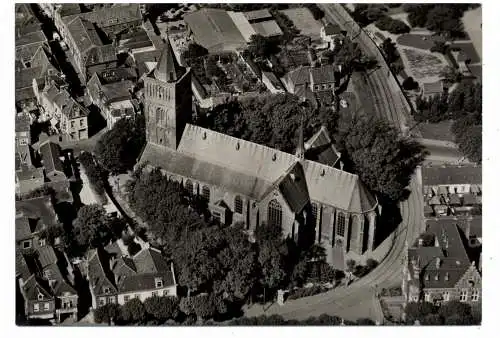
(50, 152)
(22, 269)
(471, 226)
(451, 175)
(35, 285)
(150, 261)
(323, 74)
(99, 273)
(84, 35)
(69, 9)
(38, 208)
(31, 38)
(267, 28)
(106, 17)
(46, 256)
(470, 199)
(29, 173)
(430, 88)
(101, 54)
(293, 187)
(251, 169)
(145, 281)
(24, 227)
(441, 266)
(118, 90)
(298, 76)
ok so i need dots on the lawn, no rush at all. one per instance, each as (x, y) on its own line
(304, 21)
(422, 65)
(420, 41)
(437, 131)
(469, 50)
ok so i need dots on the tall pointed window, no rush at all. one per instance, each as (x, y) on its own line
(275, 213)
(314, 212)
(205, 193)
(340, 224)
(238, 205)
(189, 187)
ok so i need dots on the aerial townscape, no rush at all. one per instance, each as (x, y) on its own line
(248, 164)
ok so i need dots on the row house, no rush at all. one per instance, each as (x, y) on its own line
(332, 34)
(440, 270)
(67, 116)
(118, 278)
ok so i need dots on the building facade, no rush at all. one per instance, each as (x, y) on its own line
(250, 183)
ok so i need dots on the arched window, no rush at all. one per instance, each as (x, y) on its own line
(238, 205)
(189, 187)
(205, 193)
(274, 214)
(340, 224)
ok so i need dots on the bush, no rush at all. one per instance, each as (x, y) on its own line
(410, 84)
(306, 292)
(371, 264)
(386, 23)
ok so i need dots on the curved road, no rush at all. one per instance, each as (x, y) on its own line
(357, 300)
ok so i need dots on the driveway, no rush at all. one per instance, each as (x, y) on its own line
(87, 196)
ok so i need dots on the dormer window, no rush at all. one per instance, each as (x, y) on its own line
(106, 290)
(447, 276)
(426, 277)
(40, 296)
(436, 277)
(158, 282)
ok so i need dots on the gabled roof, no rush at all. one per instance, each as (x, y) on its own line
(24, 227)
(83, 34)
(448, 175)
(150, 260)
(168, 69)
(22, 270)
(50, 152)
(320, 148)
(293, 187)
(441, 266)
(109, 16)
(35, 285)
(46, 256)
(323, 74)
(146, 281)
(99, 273)
(258, 14)
(251, 169)
(38, 208)
(101, 54)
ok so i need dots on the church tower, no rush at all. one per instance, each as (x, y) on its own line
(168, 99)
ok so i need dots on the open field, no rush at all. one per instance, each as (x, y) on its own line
(304, 21)
(421, 41)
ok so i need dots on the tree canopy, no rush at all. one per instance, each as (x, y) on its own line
(382, 158)
(91, 227)
(262, 47)
(162, 308)
(119, 147)
(440, 18)
(393, 26)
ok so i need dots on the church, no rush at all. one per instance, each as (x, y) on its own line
(245, 182)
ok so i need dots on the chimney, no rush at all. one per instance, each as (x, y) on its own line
(416, 267)
(341, 165)
(420, 242)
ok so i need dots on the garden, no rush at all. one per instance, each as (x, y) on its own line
(423, 65)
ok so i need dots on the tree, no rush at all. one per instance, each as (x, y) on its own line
(134, 311)
(351, 264)
(440, 47)
(262, 47)
(162, 308)
(51, 233)
(455, 308)
(386, 23)
(107, 313)
(91, 228)
(119, 147)
(371, 264)
(382, 158)
(390, 51)
(365, 14)
(417, 13)
(451, 75)
(432, 319)
(317, 12)
(410, 84)
(445, 19)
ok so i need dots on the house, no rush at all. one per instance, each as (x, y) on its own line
(67, 116)
(23, 129)
(25, 20)
(45, 281)
(250, 183)
(316, 84)
(116, 278)
(430, 89)
(331, 33)
(442, 271)
(114, 98)
(56, 169)
(27, 45)
(454, 190)
(28, 177)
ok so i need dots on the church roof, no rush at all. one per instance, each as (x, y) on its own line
(320, 148)
(252, 169)
(168, 69)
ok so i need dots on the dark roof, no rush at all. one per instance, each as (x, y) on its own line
(451, 175)
(441, 266)
(168, 69)
(69, 9)
(46, 256)
(118, 90)
(101, 54)
(320, 148)
(50, 152)
(30, 38)
(470, 199)
(455, 199)
(24, 227)
(22, 269)
(430, 88)
(471, 226)
(150, 261)
(145, 281)
(38, 208)
(35, 285)
(332, 29)
(293, 187)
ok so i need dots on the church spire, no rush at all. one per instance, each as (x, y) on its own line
(168, 69)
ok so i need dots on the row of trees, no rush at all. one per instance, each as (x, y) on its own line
(273, 320)
(391, 55)
(393, 26)
(440, 18)
(464, 106)
(450, 313)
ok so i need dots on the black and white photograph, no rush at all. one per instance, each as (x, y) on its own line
(246, 164)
